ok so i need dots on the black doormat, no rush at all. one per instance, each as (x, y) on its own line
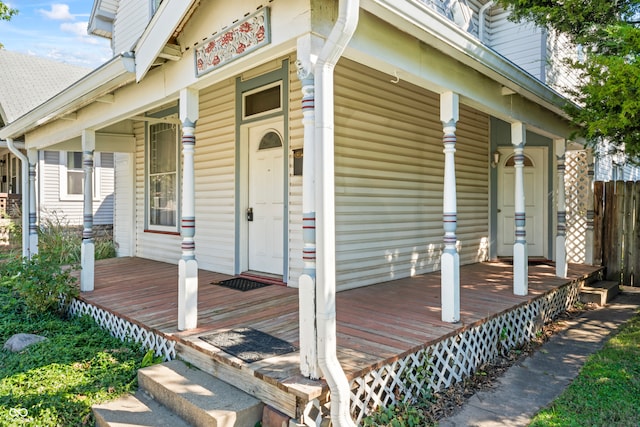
(249, 345)
(241, 284)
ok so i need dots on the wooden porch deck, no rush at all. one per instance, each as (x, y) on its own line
(376, 324)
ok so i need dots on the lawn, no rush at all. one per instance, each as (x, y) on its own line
(54, 383)
(607, 390)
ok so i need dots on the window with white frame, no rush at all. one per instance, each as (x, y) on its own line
(162, 179)
(72, 175)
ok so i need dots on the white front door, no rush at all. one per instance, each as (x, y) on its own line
(535, 183)
(265, 213)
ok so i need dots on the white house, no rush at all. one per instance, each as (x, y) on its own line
(327, 144)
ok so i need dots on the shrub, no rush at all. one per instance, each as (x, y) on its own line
(40, 282)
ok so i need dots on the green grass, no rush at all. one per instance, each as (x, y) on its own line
(54, 383)
(607, 390)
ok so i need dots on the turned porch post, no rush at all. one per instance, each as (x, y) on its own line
(588, 238)
(520, 252)
(87, 253)
(561, 239)
(32, 155)
(307, 282)
(188, 266)
(450, 259)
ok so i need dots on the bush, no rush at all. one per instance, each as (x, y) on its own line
(40, 282)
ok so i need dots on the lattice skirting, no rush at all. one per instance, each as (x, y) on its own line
(125, 330)
(440, 365)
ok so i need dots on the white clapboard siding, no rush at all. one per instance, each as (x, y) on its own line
(130, 21)
(521, 43)
(215, 178)
(389, 178)
(124, 204)
(55, 208)
(152, 245)
(560, 76)
(296, 141)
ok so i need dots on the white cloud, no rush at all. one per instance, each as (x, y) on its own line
(76, 28)
(58, 12)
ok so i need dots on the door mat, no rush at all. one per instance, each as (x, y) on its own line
(241, 284)
(248, 344)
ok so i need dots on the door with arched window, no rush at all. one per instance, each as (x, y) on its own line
(265, 214)
(535, 183)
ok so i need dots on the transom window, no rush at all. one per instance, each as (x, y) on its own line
(262, 101)
(163, 176)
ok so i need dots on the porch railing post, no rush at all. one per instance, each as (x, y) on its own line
(309, 366)
(450, 259)
(32, 155)
(87, 253)
(520, 252)
(588, 238)
(188, 266)
(561, 249)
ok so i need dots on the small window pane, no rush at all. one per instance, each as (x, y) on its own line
(162, 203)
(270, 140)
(512, 161)
(74, 160)
(163, 149)
(262, 101)
(75, 182)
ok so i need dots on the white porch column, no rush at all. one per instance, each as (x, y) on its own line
(450, 259)
(588, 238)
(188, 266)
(520, 253)
(32, 155)
(87, 253)
(561, 239)
(307, 282)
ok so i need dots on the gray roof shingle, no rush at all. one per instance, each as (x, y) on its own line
(27, 81)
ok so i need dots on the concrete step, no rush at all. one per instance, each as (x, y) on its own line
(199, 398)
(600, 292)
(135, 410)
(173, 394)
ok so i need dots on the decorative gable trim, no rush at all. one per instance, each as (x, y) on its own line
(244, 37)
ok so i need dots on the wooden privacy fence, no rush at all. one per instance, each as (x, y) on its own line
(616, 230)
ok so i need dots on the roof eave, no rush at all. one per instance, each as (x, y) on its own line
(113, 74)
(470, 51)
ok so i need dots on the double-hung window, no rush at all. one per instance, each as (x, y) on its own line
(72, 175)
(162, 178)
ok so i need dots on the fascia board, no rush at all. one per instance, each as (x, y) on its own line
(157, 34)
(444, 35)
(108, 77)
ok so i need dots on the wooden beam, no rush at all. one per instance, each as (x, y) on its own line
(171, 52)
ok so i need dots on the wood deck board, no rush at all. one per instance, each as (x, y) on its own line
(374, 323)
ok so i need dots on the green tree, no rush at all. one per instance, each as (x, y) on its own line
(608, 95)
(6, 12)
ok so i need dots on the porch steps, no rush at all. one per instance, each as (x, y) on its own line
(174, 394)
(600, 292)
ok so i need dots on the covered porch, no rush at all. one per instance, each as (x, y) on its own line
(381, 329)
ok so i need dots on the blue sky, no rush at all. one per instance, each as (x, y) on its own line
(56, 31)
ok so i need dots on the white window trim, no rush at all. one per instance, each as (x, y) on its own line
(148, 225)
(97, 178)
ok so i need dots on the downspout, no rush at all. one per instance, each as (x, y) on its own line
(24, 166)
(333, 48)
(481, 25)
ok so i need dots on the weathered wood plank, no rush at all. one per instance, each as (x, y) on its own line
(628, 244)
(635, 243)
(598, 221)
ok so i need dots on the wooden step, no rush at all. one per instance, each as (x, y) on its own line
(199, 398)
(600, 292)
(135, 410)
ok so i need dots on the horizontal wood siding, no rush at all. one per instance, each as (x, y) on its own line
(131, 20)
(521, 43)
(53, 208)
(389, 178)
(560, 76)
(296, 140)
(215, 178)
(123, 204)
